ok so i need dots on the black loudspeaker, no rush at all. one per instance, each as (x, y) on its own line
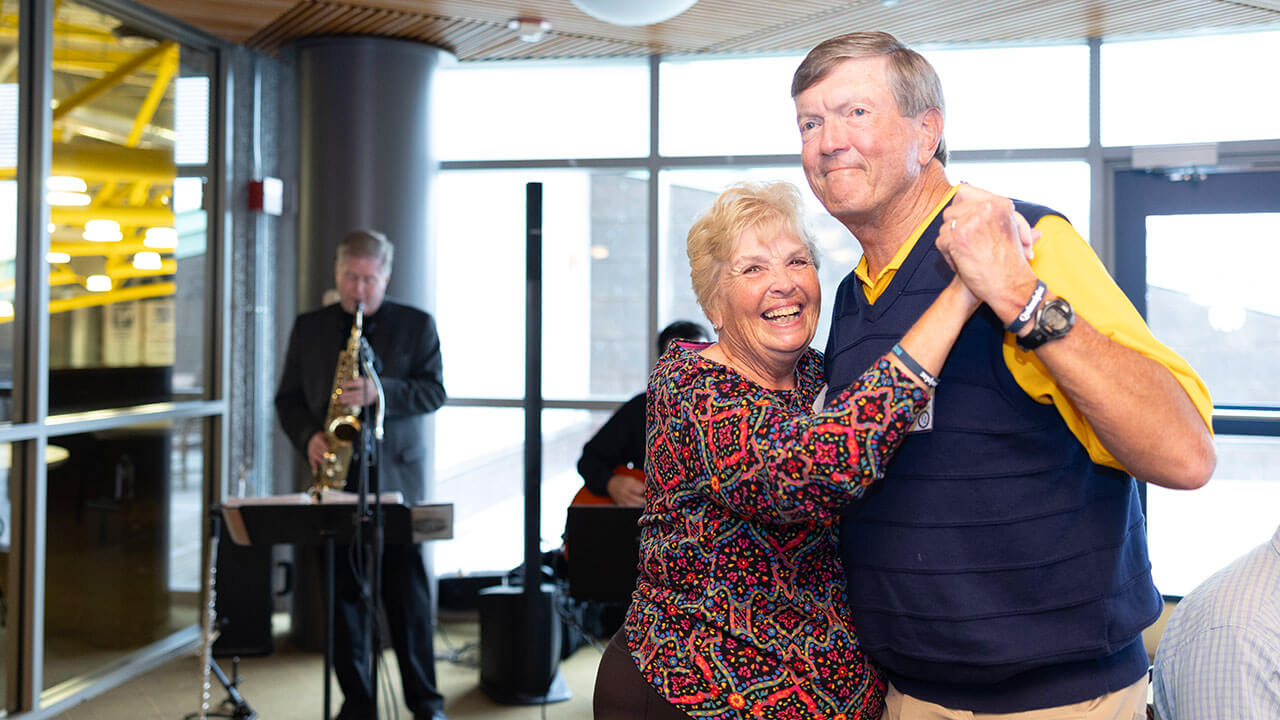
(462, 592)
(520, 638)
(244, 600)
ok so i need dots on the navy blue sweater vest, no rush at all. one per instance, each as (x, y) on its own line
(996, 568)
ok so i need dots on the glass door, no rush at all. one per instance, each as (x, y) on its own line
(1198, 255)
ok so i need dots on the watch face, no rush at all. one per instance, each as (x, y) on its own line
(1056, 318)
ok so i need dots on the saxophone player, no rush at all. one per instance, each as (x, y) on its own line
(406, 352)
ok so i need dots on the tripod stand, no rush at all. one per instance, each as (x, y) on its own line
(239, 708)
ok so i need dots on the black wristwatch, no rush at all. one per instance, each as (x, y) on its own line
(1053, 320)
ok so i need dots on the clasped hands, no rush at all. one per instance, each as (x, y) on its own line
(989, 245)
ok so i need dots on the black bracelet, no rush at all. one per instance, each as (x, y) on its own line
(913, 366)
(1029, 310)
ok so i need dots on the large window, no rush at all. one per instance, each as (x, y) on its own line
(594, 278)
(1219, 314)
(1201, 89)
(1041, 99)
(518, 111)
(727, 107)
(127, 232)
(8, 207)
(107, 449)
(618, 209)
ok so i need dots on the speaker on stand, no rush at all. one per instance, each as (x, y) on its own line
(519, 628)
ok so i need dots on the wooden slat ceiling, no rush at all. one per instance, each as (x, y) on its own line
(476, 30)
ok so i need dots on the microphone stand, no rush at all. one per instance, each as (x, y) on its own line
(371, 447)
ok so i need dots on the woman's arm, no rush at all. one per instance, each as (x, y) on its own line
(808, 468)
(769, 464)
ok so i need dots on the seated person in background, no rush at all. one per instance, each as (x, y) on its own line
(619, 443)
(1219, 656)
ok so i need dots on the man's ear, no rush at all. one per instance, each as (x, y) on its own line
(929, 125)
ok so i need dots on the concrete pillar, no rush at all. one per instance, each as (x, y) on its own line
(365, 157)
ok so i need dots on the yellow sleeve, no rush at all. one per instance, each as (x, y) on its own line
(1066, 263)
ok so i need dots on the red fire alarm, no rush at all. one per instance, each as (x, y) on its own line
(267, 195)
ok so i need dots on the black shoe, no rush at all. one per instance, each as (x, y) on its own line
(349, 712)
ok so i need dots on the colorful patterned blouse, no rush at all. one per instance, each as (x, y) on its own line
(740, 608)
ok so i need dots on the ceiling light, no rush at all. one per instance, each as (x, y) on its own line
(146, 260)
(161, 238)
(65, 183)
(54, 257)
(630, 12)
(102, 231)
(529, 29)
(67, 199)
(97, 283)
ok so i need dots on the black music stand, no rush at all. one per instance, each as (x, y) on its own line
(296, 520)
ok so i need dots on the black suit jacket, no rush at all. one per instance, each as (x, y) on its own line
(407, 351)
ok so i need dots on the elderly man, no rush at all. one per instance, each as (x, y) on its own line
(407, 357)
(1219, 655)
(1002, 568)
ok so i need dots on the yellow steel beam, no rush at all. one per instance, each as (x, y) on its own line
(85, 248)
(168, 68)
(108, 81)
(148, 216)
(109, 163)
(137, 292)
(9, 64)
(56, 277)
(120, 270)
(62, 277)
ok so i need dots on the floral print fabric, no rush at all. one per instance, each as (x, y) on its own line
(740, 610)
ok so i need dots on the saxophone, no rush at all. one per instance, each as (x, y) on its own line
(342, 424)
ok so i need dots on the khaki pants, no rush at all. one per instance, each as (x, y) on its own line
(1127, 704)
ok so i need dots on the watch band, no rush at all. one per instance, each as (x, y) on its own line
(1028, 310)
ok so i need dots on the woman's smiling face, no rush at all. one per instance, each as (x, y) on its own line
(769, 299)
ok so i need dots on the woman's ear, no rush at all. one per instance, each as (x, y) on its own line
(713, 316)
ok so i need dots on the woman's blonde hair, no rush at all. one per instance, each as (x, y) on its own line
(743, 206)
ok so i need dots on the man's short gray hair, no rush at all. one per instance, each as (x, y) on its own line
(367, 244)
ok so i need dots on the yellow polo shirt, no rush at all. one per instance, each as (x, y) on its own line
(1066, 263)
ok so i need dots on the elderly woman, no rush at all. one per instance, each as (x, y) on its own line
(739, 610)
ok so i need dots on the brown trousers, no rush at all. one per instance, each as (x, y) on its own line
(621, 691)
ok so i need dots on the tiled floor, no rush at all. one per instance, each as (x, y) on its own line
(288, 685)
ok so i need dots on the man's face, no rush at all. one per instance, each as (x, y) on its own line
(859, 153)
(361, 280)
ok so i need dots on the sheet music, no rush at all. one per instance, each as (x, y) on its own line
(327, 496)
